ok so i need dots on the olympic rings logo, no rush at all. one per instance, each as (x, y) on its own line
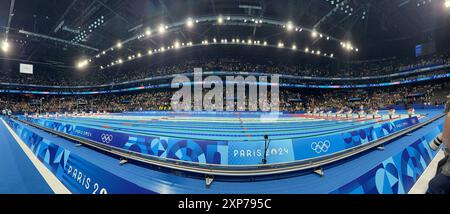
(321, 146)
(107, 138)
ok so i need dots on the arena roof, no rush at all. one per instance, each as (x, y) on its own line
(61, 33)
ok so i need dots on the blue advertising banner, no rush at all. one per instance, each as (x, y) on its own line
(77, 174)
(231, 152)
(398, 174)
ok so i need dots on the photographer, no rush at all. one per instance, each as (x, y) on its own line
(440, 184)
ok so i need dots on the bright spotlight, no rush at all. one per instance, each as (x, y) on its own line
(447, 4)
(5, 46)
(306, 50)
(119, 45)
(82, 64)
(294, 47)
(280, 45)
(162, 29)
(177, 45)
(314, 34)
(265, 43)
(189, 22)
(148, 32)
(290, 26)
(139, 55)
(220, 20)
(119, 61)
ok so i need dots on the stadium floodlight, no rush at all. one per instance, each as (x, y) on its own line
(5, 46)
(289, 26)
(161, 29)
(82, 64)
(176, 45)
(119, 45)
(190, 23)
(148, 32)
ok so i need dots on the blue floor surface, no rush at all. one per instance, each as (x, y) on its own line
(18, 175)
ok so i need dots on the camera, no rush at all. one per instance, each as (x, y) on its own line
(437, 142)
(447, 107)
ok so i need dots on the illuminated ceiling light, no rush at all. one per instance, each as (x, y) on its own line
(328, 38)
(150, 52)
(82, 64)
(104, 52)
(119, 45)
(447, 4)
(119, 61)
(148, 32)
(357, 50)
(332, 55)
(139, 55)
(189, 23)
(265, 43)
(161, 29)
(220, 20)
(290, 26)
(318, 52)
(163, 49)
(314, 34)
(280, 45)
(101, 67)
(249, 41)
(176, 45)
(228, 18)
(306, 50)
(129, 57)
(215, 40)
(294, 47)
(5, 46)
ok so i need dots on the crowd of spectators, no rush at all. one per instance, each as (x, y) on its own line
(290, 100)
(323, 69)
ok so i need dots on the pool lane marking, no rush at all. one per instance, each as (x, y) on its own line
(53, 182)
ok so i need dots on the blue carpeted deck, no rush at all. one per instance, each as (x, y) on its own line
(18, 175)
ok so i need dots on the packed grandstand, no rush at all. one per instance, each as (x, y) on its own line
(291, 100)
